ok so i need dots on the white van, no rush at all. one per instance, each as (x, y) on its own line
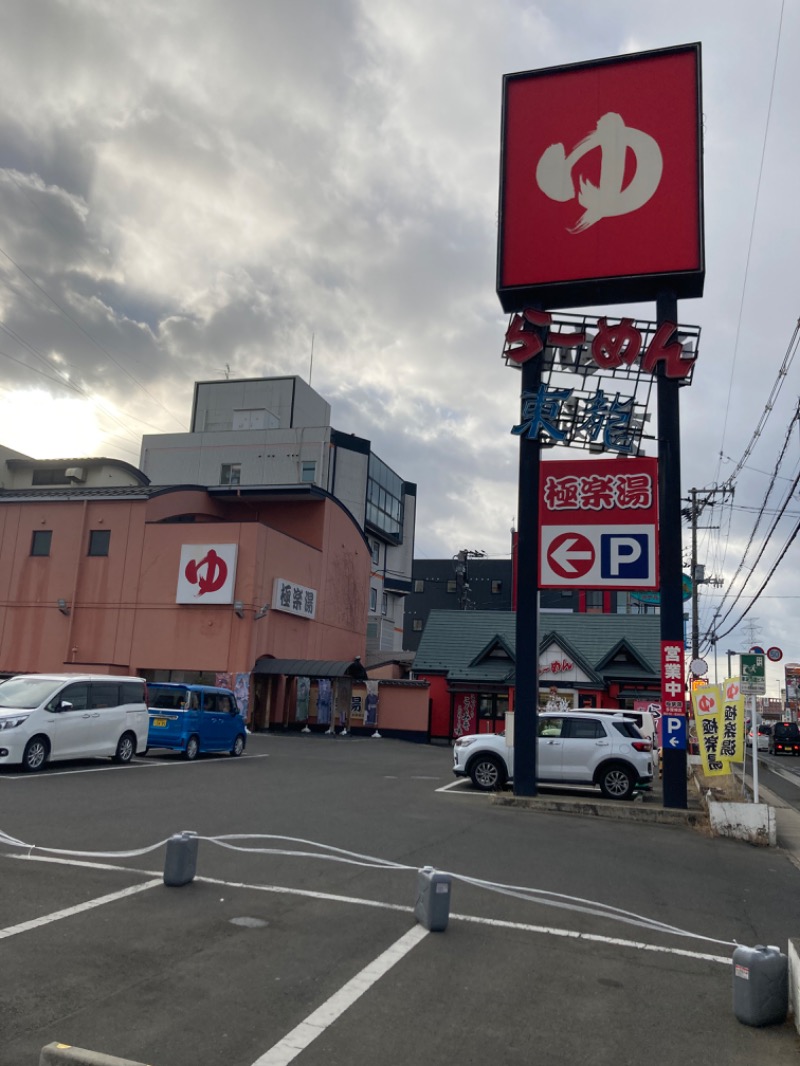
(645, 721)
(44, 717)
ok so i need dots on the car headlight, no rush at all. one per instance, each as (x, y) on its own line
(464, 742)
(12, 721)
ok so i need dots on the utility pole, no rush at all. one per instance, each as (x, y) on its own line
(698, 571)
(460, 566)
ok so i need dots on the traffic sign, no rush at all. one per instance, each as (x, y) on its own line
(774, 655)
(754, 681)
(672, 731)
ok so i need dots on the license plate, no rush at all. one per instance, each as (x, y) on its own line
(159, 721)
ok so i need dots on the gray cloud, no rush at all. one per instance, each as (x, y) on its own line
(191, 186)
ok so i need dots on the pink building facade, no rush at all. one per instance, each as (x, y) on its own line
(95, 579)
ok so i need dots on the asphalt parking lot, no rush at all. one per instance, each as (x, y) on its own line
(286, 950)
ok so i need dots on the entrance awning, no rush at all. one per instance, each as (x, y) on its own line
(301, 667)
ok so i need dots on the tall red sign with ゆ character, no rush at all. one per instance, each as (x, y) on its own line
(600, 189)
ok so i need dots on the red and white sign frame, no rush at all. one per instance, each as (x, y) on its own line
(207, 573)
(598, 524)
(601, 191)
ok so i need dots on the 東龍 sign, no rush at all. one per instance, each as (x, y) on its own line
(207, 573)
(598, 524)
(601, 182)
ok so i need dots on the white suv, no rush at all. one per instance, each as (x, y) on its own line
(574, 748)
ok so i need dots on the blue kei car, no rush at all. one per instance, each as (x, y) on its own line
(194, 719)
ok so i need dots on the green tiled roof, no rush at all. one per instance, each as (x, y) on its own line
(452, 643)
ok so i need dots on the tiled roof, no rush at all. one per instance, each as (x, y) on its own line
(452, 640)
(76, 492)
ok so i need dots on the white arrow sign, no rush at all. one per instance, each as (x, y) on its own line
(566, 552)
(673, 742)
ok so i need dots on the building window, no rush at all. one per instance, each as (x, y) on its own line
(40, 541)
(385, 496)
(416, 625)
(497, 588)
(230, 474)
(99, 540)
(594, 602)
(375, 545)
(419, 586)
(384, 604)
(50, 475)
(451, 585)
(373, 600)
(308, 471)
(493, 707)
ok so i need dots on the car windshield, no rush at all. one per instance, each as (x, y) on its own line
(166, 699)
(25, 693)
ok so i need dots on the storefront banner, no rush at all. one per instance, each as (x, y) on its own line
(372, 703)
(709, 713)
(303, 696)
(324, 695)
(341, 698)
(465, 714)
(733, 746)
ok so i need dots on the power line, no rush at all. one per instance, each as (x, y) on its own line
(752, 232)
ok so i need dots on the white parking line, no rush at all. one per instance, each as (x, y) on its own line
(138, 763)
(316, 1023)
(498, 923)
(68, 912)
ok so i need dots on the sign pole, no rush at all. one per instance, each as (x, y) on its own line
(670, 561)
(751, 706)
(526, 685)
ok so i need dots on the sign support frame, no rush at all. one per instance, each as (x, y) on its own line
(526, 683)
(674, 763)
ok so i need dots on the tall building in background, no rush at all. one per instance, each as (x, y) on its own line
(273, 432)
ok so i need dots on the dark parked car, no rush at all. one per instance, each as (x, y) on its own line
(785, 739)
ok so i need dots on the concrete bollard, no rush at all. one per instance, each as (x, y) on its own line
(56, 1054)
(432, 909)
(180, 864)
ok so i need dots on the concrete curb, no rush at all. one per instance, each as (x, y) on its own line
(56, 1054)
(625, 812)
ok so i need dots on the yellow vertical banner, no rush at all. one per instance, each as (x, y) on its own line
(709, 712)
(732, 746)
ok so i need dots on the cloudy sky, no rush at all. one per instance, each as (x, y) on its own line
(194, 188)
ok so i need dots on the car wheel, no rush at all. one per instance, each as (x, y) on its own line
(126, 749)
(35, 755)
(488, 773)
(617, 782)
(192, 749)
(238, 745)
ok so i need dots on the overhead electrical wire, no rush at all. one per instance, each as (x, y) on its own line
(752, 231)
(760, 514)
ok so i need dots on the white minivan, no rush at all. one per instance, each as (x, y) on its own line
(44, 717)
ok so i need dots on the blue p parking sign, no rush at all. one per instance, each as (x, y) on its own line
(673, 731)
(624, 555)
